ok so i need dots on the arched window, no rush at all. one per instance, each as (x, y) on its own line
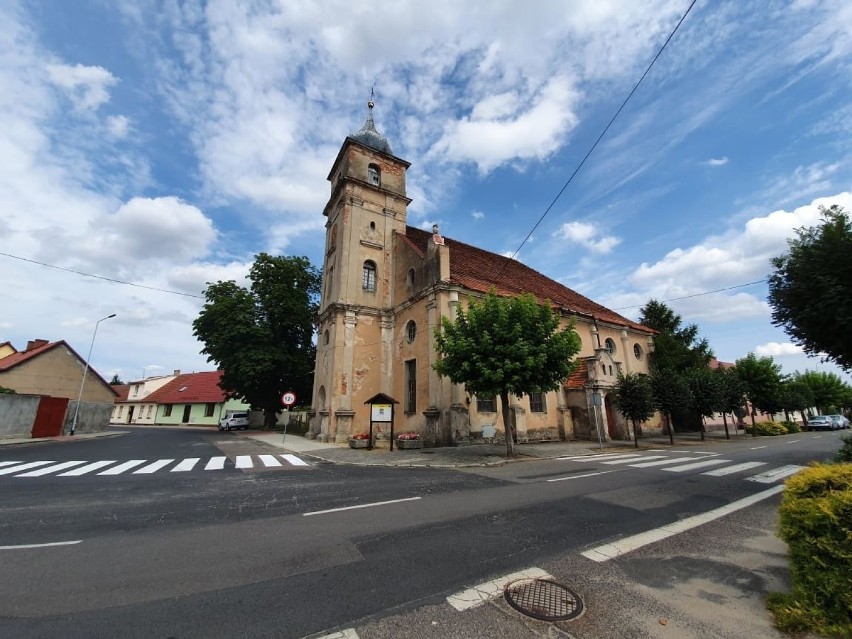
(368, 282)
(374, 175)
(637, 351)
(610, 345)
(410, 279)
(410, 330)
(325, 337)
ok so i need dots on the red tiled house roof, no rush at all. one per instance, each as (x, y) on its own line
(480, 270)
(122, 390)
(39, 347)
(190, 388)
(577, 380)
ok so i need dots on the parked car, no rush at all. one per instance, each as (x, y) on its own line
(234, 421)
(821, 422)
(841, 422)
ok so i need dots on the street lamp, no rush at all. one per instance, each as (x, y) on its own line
(85, 371)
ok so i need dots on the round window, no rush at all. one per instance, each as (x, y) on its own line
(637, 351)
(411, 330)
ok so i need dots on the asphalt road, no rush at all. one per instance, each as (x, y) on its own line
(253, 552)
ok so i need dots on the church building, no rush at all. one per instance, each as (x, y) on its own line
(385, 287)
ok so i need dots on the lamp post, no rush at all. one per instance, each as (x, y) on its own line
(85, 371)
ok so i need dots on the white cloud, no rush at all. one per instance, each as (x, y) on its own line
(86, 87)
(587, 235)
(722, 161)
(118, 126)
(776, 349)
(477, 215)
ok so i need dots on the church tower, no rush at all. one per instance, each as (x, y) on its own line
(367, 207)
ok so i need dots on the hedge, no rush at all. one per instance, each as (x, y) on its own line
(816, 523)
(766, 428)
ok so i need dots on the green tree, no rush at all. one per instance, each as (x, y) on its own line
(506, 345)
(810, 290)
(705, 391)
(115, 381)
(671, 394)
(796, 395)
(634, 399)
(731, 393)
(762, 380)
(676, 347)
(262, 337)
(827, 389)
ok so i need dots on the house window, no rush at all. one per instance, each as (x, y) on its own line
(485, 404)
(167, 410)
(374, 175)
(537, 403)
(328, 283)
(135, 391)
(150, 408)
(368, 283)
(411, 386)
(120, 410)
(610, 345)
(410, 331)
(325, 337)
(208, 409)
(372, 226)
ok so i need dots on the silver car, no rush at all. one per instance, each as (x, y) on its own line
(841, 423)
(820, 422)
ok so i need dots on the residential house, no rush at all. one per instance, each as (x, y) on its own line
(193, 398)
(135, 407)
(386, 286)
(6, 348)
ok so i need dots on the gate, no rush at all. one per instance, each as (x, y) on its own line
(50, 417)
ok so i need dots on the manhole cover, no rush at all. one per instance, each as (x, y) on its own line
(543, 599)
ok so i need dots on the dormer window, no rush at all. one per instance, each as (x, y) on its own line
(368, 282)
(374, 175)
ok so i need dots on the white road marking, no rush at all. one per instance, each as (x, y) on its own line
(665, 462)
(51, 469)
(598, 457)
(627, 461)
(615, 549)
(243, 461)
(771, 476)
(153, 467)
(600, 472)
(9, 463)
(590, 457)
(757, 447)
(216, 463)
(295, 460)
(348, 633)
(816, 436)
(375, 503)
(730, 470)
(15, 469)
(478, 595)
(187, 464)
(87, 468)
(117, 470)
(269, 460)
(793, 441)
(48, 545)
(702, 464)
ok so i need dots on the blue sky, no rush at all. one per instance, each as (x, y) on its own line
(166, 143)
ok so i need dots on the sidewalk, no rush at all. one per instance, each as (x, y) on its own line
(467, 456)
(13, 441)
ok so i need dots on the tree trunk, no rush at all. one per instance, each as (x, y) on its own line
(752, 412)
(804, 421)
(701, 426)
(635, 435)
(725, 421)
(671, 428)
(507, 425)
(270, 418)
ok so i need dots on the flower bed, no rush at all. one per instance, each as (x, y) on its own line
(359, 440)
(409, 441)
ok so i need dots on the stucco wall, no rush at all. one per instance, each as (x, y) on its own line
(92, 417)
(58, 373)
(17, 414)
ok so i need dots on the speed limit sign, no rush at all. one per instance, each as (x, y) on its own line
(288, 398)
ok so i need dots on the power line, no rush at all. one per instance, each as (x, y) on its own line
(101, 277)
(686, 297)
(603, 133)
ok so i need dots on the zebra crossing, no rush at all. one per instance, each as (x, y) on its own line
(710, 464)
(112, 467)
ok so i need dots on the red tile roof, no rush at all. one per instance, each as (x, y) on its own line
(190, 388)
(577, 380)
(20, 357)
(480, 270)
(122, 390)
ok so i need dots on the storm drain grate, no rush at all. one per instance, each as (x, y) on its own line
(543, 599)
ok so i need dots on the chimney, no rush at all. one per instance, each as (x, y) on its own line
(36, 343)
(177, 372)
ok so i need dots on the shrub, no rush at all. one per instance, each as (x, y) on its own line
(792, 427)
(844, 455)
(816, 523)
(766, 428)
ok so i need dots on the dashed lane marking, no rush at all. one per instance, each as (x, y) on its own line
(356, 507)
(600, 472)
(757, 447)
